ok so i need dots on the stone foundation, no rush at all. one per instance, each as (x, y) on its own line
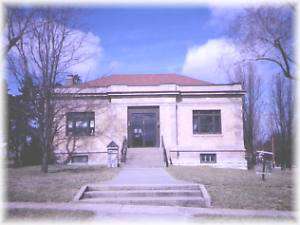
(224, 159)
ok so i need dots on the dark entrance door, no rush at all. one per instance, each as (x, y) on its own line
(143, 126)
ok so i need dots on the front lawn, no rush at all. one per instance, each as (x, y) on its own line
(241, 189)
(29, 184)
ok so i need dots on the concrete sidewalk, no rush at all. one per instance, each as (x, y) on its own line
(155, 175)
(130, 212)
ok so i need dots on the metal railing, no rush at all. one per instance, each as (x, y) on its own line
(164, 151)
(124, 150)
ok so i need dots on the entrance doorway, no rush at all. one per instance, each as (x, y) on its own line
(143, 127)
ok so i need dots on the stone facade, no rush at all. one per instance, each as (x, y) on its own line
(176, 104)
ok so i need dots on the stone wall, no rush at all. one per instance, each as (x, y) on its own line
(94, 146)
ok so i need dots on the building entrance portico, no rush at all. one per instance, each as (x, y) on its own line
(143, 126)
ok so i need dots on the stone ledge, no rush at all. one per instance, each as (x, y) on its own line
(80, 193)
(206, 196)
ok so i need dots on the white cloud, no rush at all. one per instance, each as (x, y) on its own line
(91, 53)
(211, 60)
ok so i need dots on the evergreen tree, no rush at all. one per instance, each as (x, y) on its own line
(23, 143)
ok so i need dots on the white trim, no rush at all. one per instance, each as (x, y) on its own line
(208, 135)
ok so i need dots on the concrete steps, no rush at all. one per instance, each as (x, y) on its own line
(170, 201)
(142, 187)
(187, 195)
(141, 193)
(144, 157)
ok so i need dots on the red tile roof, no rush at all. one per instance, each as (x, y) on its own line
(143, 80)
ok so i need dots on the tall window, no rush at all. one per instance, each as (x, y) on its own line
(80, 123)
(207, 121)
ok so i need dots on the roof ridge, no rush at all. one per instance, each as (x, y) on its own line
(145, 74)
(145, 79)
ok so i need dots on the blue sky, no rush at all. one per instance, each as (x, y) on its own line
(185, 40)
(148, 40)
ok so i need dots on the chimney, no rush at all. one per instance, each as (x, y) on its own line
(69, 80)
(72, 80)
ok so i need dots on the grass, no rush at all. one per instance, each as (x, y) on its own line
(29, 184)
(238, 219)
(48, 214)
(241, 189)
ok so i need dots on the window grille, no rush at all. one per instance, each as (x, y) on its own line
(208, 158)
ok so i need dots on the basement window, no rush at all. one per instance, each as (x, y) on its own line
(208, 158)
(79, 159)
(80, 123)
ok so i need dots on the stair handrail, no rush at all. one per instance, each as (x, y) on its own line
(124, 150)
(164, 151)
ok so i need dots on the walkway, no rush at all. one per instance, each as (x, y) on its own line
(155, 175)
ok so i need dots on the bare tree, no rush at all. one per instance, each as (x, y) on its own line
(251, 83)
(45, 54)
(282, 116)
(266, 34)
(17, 25)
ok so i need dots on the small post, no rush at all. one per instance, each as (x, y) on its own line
(263, 170)
(112, 155)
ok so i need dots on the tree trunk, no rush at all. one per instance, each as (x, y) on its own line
(45, 136)
(18, 158)
(45, 161)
